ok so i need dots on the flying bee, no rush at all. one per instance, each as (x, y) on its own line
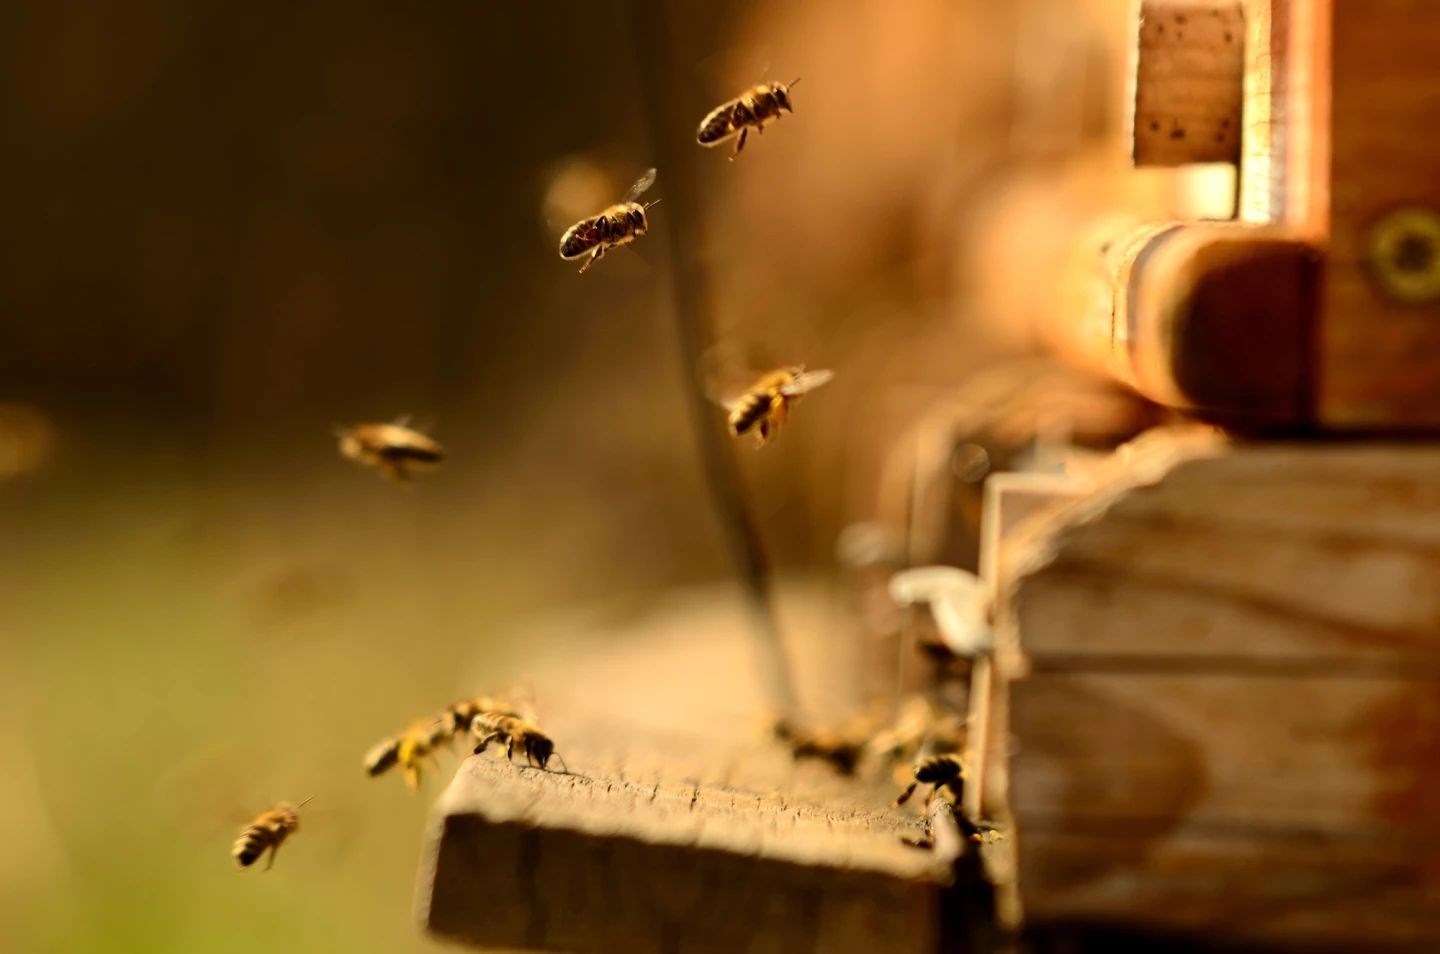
(512, 730)
(409, 749)
(393, 448)
(940, 772)
(266, 833)
(766, 405)
(617, 225)
(753, 108)
(424, 737)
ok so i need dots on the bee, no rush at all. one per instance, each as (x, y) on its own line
(619, 224)
(267, 832)
(461, 715)
(409, 749)
(512, 730)
(840, 750)
(766, 405)
(942, 773)
(425, 736)
(393, 448)
(755, 107)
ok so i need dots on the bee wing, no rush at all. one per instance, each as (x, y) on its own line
(806, 381)
(641, 185)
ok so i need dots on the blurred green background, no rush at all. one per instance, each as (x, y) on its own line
(229, 226)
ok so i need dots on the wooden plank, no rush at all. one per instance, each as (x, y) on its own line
(1326, 557)
(683, 825)
(1260, 753)
(1189, 73)
(598, 862)
(1331, 893)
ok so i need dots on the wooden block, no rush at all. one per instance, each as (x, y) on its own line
(1379, 349)
(1226, 715)
(527, 859)
(1189, 77)
(1214, 318)
(684, 826)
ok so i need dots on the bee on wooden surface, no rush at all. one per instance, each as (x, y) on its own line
(460, 715)
(766, 404)
(617, 225)
(752, 109)
(840, 750)
(266, 833)
(392, 448)
(940, 772)
(409, 749)
(512, 730)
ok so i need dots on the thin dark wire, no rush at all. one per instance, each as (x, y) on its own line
(692, 308)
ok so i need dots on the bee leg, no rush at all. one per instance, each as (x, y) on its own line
(740, 143)
(412, 777)
(905, 795)
(595, 256)
(274, 849)
(510, 750)
(485, 742)
(762, 433)
(924, 842)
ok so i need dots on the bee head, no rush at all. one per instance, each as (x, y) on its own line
(542, 748)
(782, 95)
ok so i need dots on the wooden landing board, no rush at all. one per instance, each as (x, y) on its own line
(526, 859)
(683, 828)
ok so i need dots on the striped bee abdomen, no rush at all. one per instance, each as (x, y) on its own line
(423, 453)
(582, 237)
(749, 411)
(251, 845)
(720, 124)
(266, 832)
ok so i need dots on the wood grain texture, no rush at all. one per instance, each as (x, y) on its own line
(1223, 703)
(546, 861)
(1380, 357)
(1189, 75)
(1285, 552)
(682, 826)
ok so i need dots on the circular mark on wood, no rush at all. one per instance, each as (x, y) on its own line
(1403, 251)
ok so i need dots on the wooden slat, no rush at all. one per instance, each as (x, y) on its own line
(1237, 753)
(1189, 72)
(1315, 554)
(580, 863)
(684, 826)
(1330, 894)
